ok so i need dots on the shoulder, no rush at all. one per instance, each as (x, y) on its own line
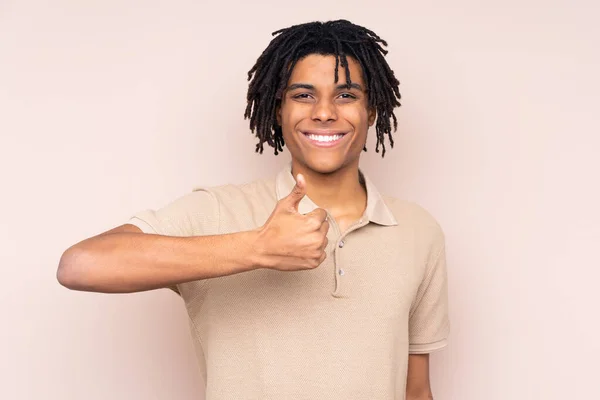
(206, 209)
(413, 216)
(410, 211)
(242, 206)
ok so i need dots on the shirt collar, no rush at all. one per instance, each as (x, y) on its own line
(377, 211)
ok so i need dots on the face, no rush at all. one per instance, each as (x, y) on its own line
(324, 123)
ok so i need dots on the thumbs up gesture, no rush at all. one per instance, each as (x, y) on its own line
(290, 241)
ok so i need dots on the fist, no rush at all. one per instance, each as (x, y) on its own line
(290, 241)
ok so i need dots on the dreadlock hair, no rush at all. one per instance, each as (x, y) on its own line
(340, 38)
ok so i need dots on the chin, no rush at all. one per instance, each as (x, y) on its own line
(324, 166)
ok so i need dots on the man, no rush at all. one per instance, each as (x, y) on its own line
(311, 285)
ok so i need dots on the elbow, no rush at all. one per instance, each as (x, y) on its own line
(79, 270)
(70, 272)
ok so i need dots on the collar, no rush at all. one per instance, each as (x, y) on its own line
(377, 211)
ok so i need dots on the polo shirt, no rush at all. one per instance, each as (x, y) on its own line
(343, 330)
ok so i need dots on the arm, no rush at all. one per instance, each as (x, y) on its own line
(417, 382)
(125, 260)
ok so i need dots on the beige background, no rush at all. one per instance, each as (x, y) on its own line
(109, 107)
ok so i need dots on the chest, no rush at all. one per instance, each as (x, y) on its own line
(370, 276)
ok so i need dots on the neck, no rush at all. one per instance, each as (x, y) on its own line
(340, 192)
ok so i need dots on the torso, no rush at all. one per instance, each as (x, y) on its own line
(343, 327)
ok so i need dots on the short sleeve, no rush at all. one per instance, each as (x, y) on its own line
(194, 214)
(429, 324)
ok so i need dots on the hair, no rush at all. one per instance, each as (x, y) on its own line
(271, 73)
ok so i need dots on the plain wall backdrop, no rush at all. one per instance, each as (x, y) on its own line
(110, 107)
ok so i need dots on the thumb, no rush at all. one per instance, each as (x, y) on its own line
(297, 193)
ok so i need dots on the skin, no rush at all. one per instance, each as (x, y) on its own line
(313, 102)
(418, 386)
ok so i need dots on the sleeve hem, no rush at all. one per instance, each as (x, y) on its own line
(427, 347)
(144, 226)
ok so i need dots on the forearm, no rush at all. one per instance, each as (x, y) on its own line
(133, 262)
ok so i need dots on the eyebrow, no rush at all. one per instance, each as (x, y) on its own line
(308, 86)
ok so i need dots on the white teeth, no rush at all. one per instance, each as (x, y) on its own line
(324, 138)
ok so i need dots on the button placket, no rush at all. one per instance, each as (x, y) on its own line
(340, 272)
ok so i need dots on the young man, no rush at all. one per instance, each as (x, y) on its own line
(311, 285)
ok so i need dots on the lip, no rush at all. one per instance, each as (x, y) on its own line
(324, 133)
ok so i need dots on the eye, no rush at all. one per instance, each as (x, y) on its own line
(302, 96)
(347, 96)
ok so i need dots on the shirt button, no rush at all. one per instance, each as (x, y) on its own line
(341, 244)
(341, 272)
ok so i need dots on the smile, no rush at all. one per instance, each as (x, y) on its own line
(325, 139)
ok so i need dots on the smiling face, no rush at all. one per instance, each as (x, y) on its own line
(325, 124)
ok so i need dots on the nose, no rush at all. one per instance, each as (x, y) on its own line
(324, 110)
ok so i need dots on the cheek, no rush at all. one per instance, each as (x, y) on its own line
(288, 121)
(358, 117)
(291, 116)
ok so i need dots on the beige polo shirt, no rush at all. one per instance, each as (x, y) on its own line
(342, 331)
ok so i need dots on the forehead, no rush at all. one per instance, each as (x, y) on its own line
(320, 69)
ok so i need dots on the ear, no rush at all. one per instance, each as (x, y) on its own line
(372, 115)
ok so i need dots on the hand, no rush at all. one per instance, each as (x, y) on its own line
(290, 241)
